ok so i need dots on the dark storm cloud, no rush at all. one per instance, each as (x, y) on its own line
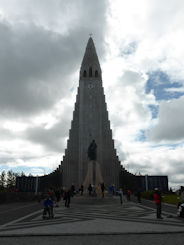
(36, 63)
(30, 63)
(52, 139)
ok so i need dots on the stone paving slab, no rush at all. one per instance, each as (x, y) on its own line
(107, 239)
(129, 218)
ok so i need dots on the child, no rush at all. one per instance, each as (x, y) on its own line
(48, 207)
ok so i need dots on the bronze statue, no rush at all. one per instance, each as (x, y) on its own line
(92, 150)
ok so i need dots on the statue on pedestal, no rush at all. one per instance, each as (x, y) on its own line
(92, 150)
(93, 176)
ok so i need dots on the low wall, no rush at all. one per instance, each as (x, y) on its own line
(8, 197)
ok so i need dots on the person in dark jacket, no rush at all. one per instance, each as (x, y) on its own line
(90, 189)
(82, 190)
(102, 189)
(66, 197)
(58, 196)
(139, 196)
(72, 190)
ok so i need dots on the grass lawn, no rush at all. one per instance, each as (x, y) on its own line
(171, 198)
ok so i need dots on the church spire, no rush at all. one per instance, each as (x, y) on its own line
(90, 66)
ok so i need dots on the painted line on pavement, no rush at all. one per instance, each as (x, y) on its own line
(20, 219)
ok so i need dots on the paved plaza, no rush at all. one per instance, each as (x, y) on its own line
(97, 218)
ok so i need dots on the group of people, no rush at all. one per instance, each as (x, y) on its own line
(158, 201)
(92, 190)
(128, 195)
(157, 197)
(53, 197)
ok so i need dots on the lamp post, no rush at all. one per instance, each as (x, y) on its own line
(36, 186)
(146, 182)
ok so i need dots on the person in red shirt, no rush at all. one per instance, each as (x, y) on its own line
(128, 195)
(158, 201)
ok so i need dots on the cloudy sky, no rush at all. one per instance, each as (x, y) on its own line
(140, 45)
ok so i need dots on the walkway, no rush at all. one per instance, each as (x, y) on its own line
(95, 217)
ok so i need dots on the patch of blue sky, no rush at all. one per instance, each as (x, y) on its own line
(72, 89)
(27, 170)
(129, 49)
(154, 110)
(141, 136)
(4, 168)
(170, 146)
(160, 83)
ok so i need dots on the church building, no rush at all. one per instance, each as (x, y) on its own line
(90, 122)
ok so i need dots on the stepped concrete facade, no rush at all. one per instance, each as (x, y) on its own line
(90, 121)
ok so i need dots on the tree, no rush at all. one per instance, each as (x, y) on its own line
(11, 179)
(2, 180)
(22, 174)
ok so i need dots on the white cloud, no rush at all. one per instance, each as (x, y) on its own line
(42, 44)
(143, 37)
(156, 30)
(175, 90)
(170, 122)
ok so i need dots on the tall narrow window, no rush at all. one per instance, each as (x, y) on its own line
(90, 72)
(96, 73)
(84, 73)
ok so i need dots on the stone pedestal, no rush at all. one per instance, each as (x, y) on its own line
(93, 177)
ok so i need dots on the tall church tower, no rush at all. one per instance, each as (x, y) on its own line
(90, 121)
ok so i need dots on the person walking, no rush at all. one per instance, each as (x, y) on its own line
(72, 190)
(67, 196)
(90, 189)
(102, 189)
(82, 190)
(58, 196)
(121, 195)
(128, 195)
(111, 190)
(158, 201)
(139, 196)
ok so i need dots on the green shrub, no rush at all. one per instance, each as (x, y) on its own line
(148, 195)
(168, 198)
(171, 198)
